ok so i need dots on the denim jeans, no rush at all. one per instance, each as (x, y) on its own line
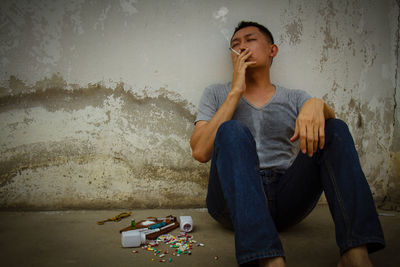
(258, 203)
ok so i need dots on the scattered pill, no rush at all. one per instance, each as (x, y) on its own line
(216, 258)
(182, 245)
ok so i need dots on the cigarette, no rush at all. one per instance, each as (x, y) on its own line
(234, 51)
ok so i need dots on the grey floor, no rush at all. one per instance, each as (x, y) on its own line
(72, 238)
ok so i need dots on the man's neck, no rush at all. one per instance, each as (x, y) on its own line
(258, 80)
(259, 89)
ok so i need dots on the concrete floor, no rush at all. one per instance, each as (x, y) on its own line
(72, 238)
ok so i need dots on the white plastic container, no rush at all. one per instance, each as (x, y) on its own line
(133, 238)
(186, 223)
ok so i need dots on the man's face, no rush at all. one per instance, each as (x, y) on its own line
(256, 42)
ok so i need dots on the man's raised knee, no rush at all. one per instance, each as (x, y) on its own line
(232, 130)
(336, 127)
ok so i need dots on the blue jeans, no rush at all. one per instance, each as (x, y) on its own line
(258, 203)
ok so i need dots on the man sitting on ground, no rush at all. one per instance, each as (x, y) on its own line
(258, 182)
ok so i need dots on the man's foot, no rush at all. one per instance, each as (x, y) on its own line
(272, 262)
(355, 257)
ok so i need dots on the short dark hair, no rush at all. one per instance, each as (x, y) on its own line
(261, 28)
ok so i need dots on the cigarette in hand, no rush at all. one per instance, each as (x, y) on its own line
(234, 51)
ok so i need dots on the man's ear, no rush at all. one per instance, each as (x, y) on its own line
(273, 50)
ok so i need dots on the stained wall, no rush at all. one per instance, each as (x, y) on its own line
(98, 98)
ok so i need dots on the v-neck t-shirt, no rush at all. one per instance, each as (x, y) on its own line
(271, 125)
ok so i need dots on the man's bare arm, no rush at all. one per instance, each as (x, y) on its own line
(202, 140)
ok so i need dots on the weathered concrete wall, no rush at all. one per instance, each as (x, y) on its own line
(97, 98)
(392, 198)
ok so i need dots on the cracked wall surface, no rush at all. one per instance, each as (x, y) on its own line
(392, 198)
(97, 98)
(96, 147)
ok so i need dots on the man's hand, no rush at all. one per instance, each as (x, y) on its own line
(239, 70)
(310, 126)
(202, 140)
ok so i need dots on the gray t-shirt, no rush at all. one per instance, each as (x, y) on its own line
(271, 125)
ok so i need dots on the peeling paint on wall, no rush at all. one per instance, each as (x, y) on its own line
(293, 24)
(294, 31)
(128, 6)
(96, 147)
(392, 198)
(370, 140)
